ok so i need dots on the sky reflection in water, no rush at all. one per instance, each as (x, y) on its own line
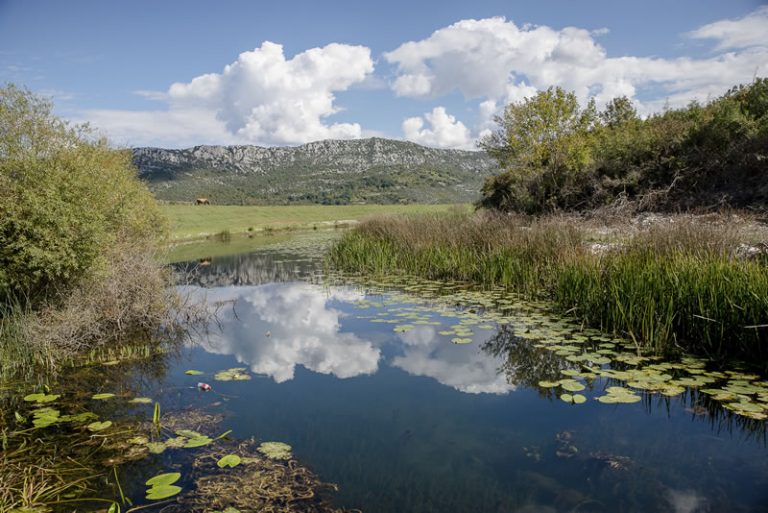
(408, 421)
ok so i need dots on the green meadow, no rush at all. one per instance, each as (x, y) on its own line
(201, 221)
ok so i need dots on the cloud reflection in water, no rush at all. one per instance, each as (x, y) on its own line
(274, 327)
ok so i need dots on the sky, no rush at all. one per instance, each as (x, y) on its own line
(181, 73)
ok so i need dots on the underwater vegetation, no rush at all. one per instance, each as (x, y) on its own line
(67, 448)
(681, 285)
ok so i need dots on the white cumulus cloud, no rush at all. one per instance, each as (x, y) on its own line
(750, 30)
(495, 61)
(262, 98)
(444, 130)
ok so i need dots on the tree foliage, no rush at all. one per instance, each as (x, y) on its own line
(65, 199)
(556, 156)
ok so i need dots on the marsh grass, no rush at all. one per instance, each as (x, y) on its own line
(676, 285)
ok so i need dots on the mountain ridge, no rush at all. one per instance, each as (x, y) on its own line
(372, 170)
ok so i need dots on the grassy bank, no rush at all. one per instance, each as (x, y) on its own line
(674, 285)
(194, 222)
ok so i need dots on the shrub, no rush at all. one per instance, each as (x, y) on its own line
(65, 199)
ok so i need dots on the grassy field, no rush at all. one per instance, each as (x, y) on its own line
(195, 222)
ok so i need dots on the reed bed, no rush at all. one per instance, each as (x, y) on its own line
(682, 284)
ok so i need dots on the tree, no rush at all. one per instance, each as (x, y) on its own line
(618, 111)
(541, 144)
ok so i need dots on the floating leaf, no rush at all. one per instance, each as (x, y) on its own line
(193, 372)
(197, 442)
(156, 447)
(230, 460)
(234, 374)
(141, 400)
(460, 340)
(162, 492)
(102, 397)
(164, 479)
(99, 426)
(571, 385)
(275, 450)
(548, 384)
(41, 398)
(188, 433)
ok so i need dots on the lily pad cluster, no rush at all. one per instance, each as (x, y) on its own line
(587, 354)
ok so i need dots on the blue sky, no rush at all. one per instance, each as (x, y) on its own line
(181, 73)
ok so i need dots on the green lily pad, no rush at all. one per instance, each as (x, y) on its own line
(102, 397)
(188, 433)
(164, 479)
(192, 372)
(162, 492)
(234, 374)
(275, 450)
(156, 447)
(571, 385)
(460, 340)
(41, 398)
(230, 460)
(197, 442)
(99, 426)
(548, 384)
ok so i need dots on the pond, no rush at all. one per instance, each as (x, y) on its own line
(425, 397)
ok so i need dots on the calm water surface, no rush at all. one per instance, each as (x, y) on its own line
(410, 422)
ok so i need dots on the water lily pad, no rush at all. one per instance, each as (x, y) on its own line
(164, 479)
(102, 397)
(162, 492)
(275, 450)
(41, 398)
(460, 340)
(99, 426)
(188, 433)
(234, 374)
(571, 385)
(548, 384)
(193, 372)
(156, 447)
(197, 442)
(230, 460)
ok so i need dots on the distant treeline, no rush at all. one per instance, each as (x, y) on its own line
(557, 155)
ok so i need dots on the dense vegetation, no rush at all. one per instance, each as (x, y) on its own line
(557, 155)
(77, 235)
(678, 285)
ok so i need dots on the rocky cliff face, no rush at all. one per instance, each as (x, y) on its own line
(347, 166)
(345, 156)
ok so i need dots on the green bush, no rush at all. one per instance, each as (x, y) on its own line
(65, 199)
(556, 156)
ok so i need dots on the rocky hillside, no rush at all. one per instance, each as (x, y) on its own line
(336, 172)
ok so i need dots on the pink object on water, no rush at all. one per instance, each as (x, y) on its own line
(205, 387)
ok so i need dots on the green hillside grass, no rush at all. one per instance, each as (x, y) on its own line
(195, 222)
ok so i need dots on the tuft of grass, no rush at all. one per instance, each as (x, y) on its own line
(673, 286)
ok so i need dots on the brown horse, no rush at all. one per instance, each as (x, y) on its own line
(202, 201)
